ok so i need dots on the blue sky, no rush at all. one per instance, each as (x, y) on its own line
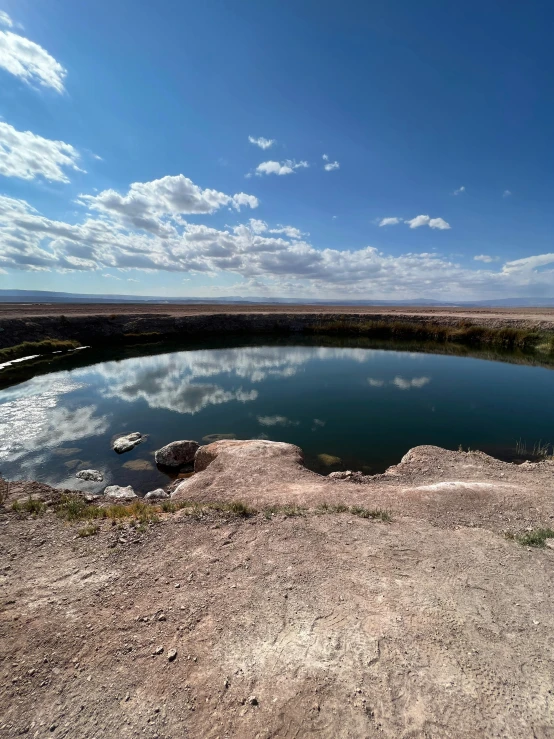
(132, 154)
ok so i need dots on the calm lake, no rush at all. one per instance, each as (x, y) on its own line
(347, 407)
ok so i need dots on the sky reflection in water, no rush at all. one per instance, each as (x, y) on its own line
(364, 406)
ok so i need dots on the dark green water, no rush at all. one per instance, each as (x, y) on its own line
(364, 406)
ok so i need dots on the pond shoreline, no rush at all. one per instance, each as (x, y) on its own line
(42, 329)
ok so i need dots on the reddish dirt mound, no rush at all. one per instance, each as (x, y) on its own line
(321, 624)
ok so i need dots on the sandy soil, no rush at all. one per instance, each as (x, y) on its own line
(323, 624)
(19, 310)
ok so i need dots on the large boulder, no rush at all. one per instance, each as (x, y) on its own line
(90, 475)
(176, 454)
(234, 469)
(127, 442)
(248, 450)
(116, 492)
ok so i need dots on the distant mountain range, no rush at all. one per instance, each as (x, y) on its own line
(47, 296)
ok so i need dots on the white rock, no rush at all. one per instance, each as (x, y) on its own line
(158, 494)
(127, 442)
(92, 475)
(177, 453)
(116, 492)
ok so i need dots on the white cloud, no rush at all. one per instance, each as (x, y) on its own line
(5, 19)
(290, 231)
(506, 194)
(330, 166)
(259, 227)
(459, 190)
(389, 221)
(280, 168)
(113, 277)
(147, 205)
(146, 230)
(29, 61)
(485, 258)
(25, 155)
(419, 221)
(131, 279)
(261, 142)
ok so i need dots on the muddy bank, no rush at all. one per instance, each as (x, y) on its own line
(142, 326)
(309, 621)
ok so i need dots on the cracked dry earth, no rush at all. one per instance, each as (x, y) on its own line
(323, 625)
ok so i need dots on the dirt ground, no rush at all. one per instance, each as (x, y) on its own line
(434, 624)
(20, 310)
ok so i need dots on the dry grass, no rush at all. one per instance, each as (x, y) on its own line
(463, 332)
(27, 348)
(30, 506)
(75, 508)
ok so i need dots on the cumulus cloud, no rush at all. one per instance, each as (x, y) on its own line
(419, 221)
(393, 221)
(148, 205)
(289, 231)
(460, 190)
(145, 229)
(261, 142)
(485, 258)
(280, 168)
(28, 61)
(506, 194)
(26, 155)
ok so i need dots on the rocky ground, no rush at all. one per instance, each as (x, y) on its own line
(298, 620)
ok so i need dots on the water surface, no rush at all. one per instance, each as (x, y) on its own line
(348, 408)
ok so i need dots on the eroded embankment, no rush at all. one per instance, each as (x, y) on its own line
(309, 622)
(25, 334)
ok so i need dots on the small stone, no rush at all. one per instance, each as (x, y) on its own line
(162, 617)
(172, 655)
(253, 700)
(90, 475)
(177, 585)
(117, 492)
(157, 494)
(159, 650)
(226, 683)
(549, 543)
(127, 442)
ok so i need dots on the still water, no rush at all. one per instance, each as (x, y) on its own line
(348, 408)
